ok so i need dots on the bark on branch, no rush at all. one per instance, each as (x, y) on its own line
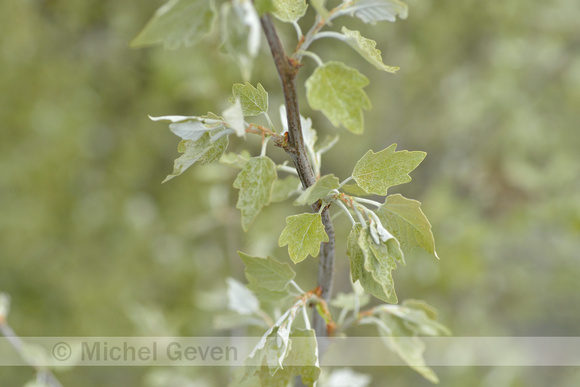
(287, 71)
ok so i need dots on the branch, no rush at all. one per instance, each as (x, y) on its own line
(287, 71)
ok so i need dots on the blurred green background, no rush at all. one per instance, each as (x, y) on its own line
(91, 244)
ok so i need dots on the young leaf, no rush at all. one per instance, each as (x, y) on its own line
(367, 49)
(234, 117)
(376, 172)
(255, 183)
(284, 188)
(372, 11)
(405, 220)
(337, 91)
(178, 22)
(267, 273)
(254, 100)
(192, 127)
(240, 299)
(302, 359)
(303, 235)
(372, 271)
(203, 150)
(289, 10)
(318, 190)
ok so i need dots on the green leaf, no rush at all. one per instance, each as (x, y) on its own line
(350, 301)
(192, 127)
(240, 298)
(376, 172)
(203, 150)
(255, 183)
(263, 6)
(405, 220)
(318, 190)
(355, 190)
(372, 11)
(405, 343)
(289, 10)
(320, 7)
(367, 49)
(371, 264)
(267, 273)
(254, 100)
(303, 235)
(337, 91)
(302, 359)
(284, 188)
(177, 23)
(237, 160)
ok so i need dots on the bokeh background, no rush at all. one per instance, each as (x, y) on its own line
(91, 244)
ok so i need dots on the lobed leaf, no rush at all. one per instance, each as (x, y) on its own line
(372, 11)
(318, 190)
(177, 23)
(367, 49)
(337, 91)
(303, 235)
(405, 220)
(289, 10)
(267, 273)
(255, 183)
(203, 150)
(376, 172)
(284, 188)
(234, 118)
(254, 100)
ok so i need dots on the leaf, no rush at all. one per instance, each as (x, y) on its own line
(337, 91)
(303, 235)
(267, 273)
(284, 188)
(405, 220)
(177, 23)
(263, 6)
(234, 117)
(254, 100)
(318, 190)
(367, 49)
(203, 150)
(355, 190)
(237, 160)
(192, 127)
(320, 7)
(350, 301)
(376, 172)
(241, 299)
(255, 183)
(289, 10)
(302, 360)
(404, 342)
(240, 29)
(346, 377)
(372, 11)
(371, 264)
